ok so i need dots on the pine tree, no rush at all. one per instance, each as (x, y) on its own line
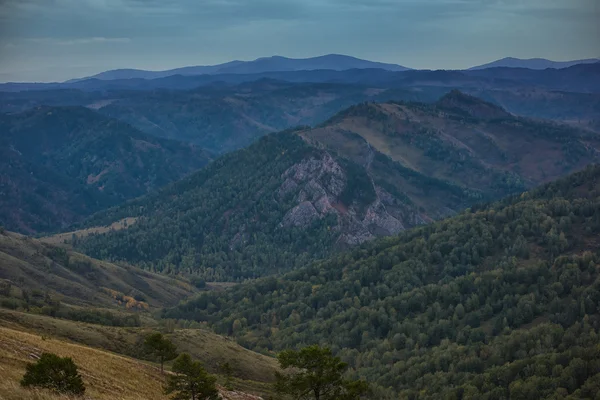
(317, 375)
(161, 348)
(190, 381)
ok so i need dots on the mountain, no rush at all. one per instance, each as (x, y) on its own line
(273, 206)
(335, 62)
(62, 163)
(534, 63)
(498, 302)
(464, 140)
(580, 109)
(33, 198)
(372, 170)
(582, 78)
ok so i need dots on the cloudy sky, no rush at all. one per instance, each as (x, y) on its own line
(48, 40)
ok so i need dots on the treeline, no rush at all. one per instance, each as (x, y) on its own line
(42, 303)
(499, 302)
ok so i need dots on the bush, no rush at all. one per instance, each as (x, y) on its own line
(198, 282)
(55, 373)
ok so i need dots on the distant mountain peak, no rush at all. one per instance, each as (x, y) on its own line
(533, 63)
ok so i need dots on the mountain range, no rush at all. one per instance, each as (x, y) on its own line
(577, 78)
(371, 170)
(335, 62)
(222, 115)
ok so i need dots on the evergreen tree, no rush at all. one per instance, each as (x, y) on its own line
(161, 348)
(316, 374)
(190, 381)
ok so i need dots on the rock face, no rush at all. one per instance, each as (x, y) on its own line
(233, 395)
(317, 184)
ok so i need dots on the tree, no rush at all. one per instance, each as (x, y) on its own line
(190, 381)
(55, 373)
(316, 374)
(227, 370)
(161, 348)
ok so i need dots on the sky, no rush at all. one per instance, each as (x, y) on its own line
(55, 40)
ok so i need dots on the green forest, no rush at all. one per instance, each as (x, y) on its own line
(499, 302)
(65, 163)
(221, 223)
(224, 223)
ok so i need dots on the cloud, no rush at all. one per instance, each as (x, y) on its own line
(162, 34)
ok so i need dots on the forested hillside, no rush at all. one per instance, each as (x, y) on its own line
(63, 163)
(224, 119)
(48, 279)
(34, 198)
(498, 302)
(372, 170)
(269, 208)
(464, 140)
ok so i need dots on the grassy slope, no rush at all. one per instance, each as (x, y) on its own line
(205, 345)
(106, 375)
(79, 280)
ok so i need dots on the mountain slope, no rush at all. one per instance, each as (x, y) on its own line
(267, 64)
(73, 150)
(229, 118)
(533, 63)
(34, 198)
(268, 208)
(60, 295)
(498, 302)
(108, 375)
(462, 139)
(372, 170)
(28, 265)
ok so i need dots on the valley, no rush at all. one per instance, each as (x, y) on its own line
(427, 234)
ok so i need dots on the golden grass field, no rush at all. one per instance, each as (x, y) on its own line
(107, 376)
(99, 352)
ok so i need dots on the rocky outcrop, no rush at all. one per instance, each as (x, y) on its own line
(316, 185)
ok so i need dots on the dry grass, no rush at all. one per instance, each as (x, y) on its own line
(106, 375)
(63, 238)
(203, 345)
(31, 264)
